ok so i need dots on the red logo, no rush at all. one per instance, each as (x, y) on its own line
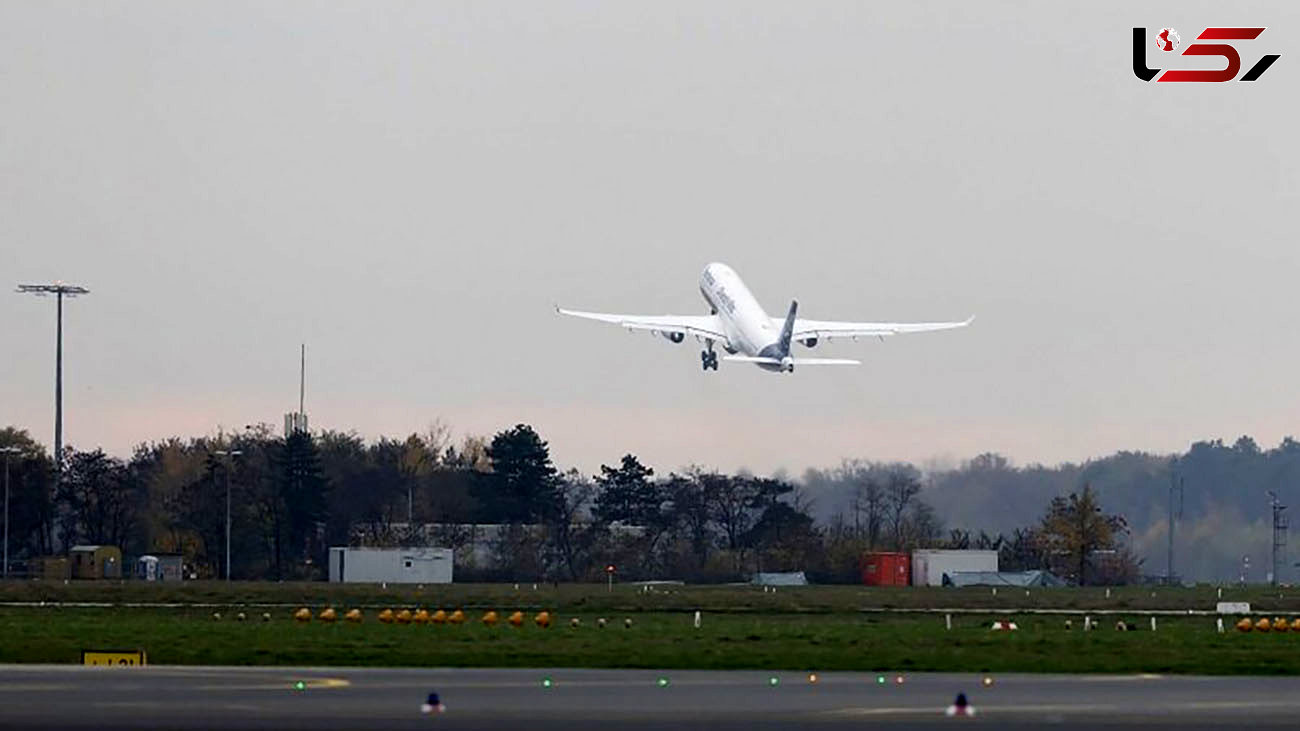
(1167, 40)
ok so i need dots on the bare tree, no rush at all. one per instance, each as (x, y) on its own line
(868, 503)
(900, 491)
(570, 532)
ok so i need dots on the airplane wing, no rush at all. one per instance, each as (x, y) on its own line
(828, 329)
(705, 326)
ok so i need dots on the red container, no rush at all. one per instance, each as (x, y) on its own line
(886, 569)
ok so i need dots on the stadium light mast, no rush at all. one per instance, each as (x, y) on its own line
(230, 455)
(59, 290)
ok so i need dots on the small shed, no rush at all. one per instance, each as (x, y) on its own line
(883, 568)
(159, 567)
(96, 562)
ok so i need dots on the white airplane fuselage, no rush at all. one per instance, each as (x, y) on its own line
(748, 328)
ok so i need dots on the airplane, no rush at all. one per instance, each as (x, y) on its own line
(745, 331)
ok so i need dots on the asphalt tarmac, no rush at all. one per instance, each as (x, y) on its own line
(348, 698)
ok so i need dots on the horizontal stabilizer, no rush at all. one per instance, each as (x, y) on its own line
(795, 361)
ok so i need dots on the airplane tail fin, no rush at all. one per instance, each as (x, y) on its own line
(787, 330)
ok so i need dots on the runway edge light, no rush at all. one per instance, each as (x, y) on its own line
(432, 704)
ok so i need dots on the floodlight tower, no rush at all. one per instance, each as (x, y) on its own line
(59, 290)
(230, 455)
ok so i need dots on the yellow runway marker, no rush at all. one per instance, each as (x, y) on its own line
(291, 683)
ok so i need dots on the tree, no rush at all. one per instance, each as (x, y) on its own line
(201, 510)
(32, 507)
(784, 538)
(1023, 552)
(689, 512)
(1074, 528)
(522, 487)
(901, 488)
(729, 502)
(99, 498)
(569, 536)
(868, 498)
(737, 503)
(627, 495)
(293, 501)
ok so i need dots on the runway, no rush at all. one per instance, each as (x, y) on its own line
(350, 698)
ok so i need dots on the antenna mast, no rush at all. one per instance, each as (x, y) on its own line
(296, 421)
(1279, 536)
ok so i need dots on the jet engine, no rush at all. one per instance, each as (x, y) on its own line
(809, 342)
(674, 337)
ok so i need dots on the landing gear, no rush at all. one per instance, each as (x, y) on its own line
(708, 358)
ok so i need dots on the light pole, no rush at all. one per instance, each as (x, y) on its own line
(8, 451)
(59, 290)
(230, 455)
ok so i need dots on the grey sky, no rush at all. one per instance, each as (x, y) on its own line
(410, 187)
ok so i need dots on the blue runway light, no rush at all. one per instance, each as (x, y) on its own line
(432, 704)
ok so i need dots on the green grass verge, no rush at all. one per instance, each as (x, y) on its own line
(831, 641)
(628, 598)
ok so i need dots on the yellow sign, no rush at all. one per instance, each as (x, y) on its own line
(126, 658)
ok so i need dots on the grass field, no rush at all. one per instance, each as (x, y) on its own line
(628, 598)
(806, 628)
(877, 642)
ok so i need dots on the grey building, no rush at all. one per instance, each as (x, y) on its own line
(392, 565)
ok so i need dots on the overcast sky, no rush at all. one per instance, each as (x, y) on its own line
(410, 187)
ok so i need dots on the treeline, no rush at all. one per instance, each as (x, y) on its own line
(1222, 513)
(291, 498)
